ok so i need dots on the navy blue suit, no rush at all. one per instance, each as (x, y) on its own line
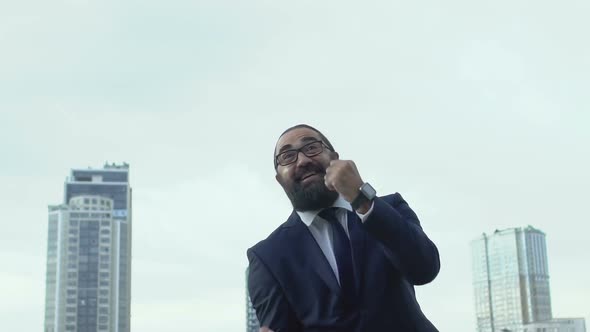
(293, 288)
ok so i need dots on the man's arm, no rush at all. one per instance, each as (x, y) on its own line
(272, 309)
(397, 227)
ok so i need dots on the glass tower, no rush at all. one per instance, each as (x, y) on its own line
(510, 279)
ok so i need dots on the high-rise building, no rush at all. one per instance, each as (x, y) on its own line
(557, 325)
(251, 319)
(510, 279)
(89, 253)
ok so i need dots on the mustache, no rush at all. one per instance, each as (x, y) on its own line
(309, 169)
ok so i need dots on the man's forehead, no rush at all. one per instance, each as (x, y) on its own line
(295, 136)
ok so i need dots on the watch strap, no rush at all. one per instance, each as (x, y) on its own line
(358, 201)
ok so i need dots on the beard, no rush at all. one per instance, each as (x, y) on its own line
(311, 196)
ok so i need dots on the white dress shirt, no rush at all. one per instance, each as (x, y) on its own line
(322, 231)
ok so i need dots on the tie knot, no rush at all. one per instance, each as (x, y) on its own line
(329, 214)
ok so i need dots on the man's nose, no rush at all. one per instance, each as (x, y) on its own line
(302, 159)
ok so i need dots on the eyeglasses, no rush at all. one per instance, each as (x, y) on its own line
(310, 149)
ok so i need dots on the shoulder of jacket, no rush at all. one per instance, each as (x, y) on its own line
(275, 240)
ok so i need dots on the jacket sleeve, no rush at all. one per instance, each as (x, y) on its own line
(393, 223)
(268, 299)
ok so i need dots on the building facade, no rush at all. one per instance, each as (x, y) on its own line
(252, 324)
(557, 325)
(89, 253)
(510, 279)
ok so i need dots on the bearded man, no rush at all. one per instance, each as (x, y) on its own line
(346, 260)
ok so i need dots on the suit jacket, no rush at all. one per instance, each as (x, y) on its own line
(293, 288)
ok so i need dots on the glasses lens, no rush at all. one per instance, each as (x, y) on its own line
(312, 149)
(287, 157)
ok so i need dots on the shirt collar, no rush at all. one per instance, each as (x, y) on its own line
(308, 216)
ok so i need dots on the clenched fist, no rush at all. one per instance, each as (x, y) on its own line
(343, 176)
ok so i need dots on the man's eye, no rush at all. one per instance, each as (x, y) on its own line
(288, 155)
(312, 148)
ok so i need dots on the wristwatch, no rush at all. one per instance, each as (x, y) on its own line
(366, 194)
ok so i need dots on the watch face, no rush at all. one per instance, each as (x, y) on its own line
(368, 191)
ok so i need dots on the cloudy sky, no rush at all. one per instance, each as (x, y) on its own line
(476, 111)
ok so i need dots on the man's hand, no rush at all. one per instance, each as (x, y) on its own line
(265, 329)
(343, 176)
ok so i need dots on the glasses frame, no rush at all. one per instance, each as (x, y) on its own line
(300, 149)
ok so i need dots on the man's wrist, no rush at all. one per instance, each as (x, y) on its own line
(364, 207)
(364, 215)
(366, 194)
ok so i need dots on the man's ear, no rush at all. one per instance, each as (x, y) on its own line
(336, 155)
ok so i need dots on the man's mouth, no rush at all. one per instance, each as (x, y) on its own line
(308, 176)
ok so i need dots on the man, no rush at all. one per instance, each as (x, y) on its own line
(346, 259)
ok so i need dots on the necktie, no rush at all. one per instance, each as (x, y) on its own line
(343, 253)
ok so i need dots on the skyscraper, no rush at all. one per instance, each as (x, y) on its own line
(510, 279)
(89, 253)
(251, 319)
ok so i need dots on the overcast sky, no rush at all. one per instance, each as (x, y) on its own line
(476, 112)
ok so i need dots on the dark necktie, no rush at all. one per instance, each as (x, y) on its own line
(343, 253)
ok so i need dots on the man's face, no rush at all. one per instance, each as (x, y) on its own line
(303, 180)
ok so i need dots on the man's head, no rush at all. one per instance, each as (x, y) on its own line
(302, 155)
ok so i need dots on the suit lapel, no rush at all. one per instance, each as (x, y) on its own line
(309, 249)
(357, 240)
